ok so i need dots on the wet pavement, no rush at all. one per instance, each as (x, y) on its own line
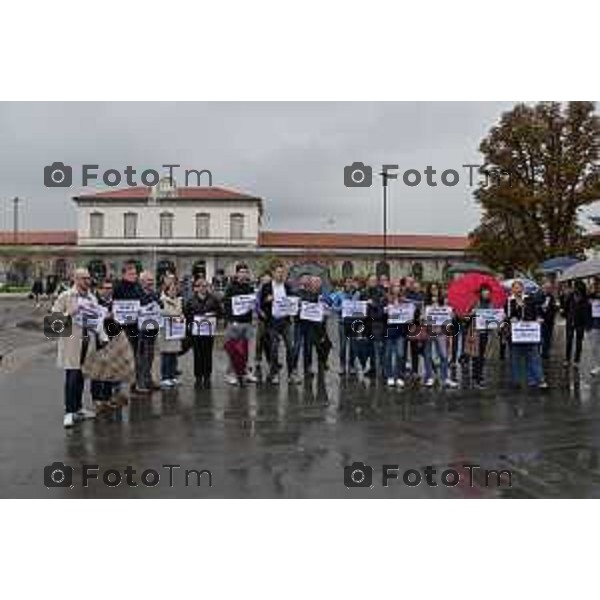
(294, 441)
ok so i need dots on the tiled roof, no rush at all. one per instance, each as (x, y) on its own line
(39, 238)
(182, 193)
(281, 239)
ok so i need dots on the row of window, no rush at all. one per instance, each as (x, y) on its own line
(130, 225)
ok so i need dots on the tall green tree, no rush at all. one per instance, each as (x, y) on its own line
(541, 168)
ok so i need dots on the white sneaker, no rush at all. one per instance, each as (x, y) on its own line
(390, 382)
(400, 382)
(429, 382)
(84, 413)
(451, 384)
(69, 420)
(250, 378)
(231, 379)
(166, 384)
(594, 372)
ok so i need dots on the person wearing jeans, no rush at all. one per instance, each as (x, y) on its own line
(394, 365)
(437, 338)
(523, 308)
(347, 345)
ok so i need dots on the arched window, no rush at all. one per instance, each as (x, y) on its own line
(202, 225)
(236, 226)
(347, 269)
(382, 268)
(96, 225)
(130, 225)
(166, 225)
(417, 271)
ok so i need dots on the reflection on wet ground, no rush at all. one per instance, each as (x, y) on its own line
(265, 441)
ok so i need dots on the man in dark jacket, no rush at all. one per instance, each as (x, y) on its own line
(374, 295)
(548, 309)
(129, 288)
(238, 316)
(273, 297)
(578, 315)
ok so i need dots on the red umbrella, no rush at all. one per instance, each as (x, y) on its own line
(463, 293)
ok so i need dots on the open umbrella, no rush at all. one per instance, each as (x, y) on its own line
(530, 286)
(463, 292)
(582, 270)
(557, 264)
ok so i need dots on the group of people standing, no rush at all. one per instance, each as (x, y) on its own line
(379, 323)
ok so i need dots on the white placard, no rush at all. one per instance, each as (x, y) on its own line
(596, 309)
(438, 315)
(175, 327)
(288, 306)
(126, 311)
(526, 332)
(90, 314)
(488, 318)
(354, 308)
(204, 325)
(400, 313)
(149, 315)
(243, 304)
(312, 311)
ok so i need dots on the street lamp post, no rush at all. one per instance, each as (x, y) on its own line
(16, 201)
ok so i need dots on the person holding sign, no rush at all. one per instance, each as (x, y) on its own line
(278, 305)
(578, 315)
(170, 334)
(348, 307)
(371, 348)
(129, 289)
(311, 326)
(72, 349)
(595, 332)
(203, 308)
(478, 335)
(239, 302)
(438, 317)
(148, 328)
(398, 313)
(523, 309)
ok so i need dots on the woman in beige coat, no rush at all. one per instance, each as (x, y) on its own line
(66, 323)
(172, 309)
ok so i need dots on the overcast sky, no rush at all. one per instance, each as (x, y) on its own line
(291, 154)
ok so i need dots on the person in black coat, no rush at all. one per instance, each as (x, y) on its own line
(129, 288)
(202, 304)
(578, 315)
(548, 308)
(278, 327)
(374, 295)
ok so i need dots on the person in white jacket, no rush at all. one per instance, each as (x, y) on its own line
(73, 309)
